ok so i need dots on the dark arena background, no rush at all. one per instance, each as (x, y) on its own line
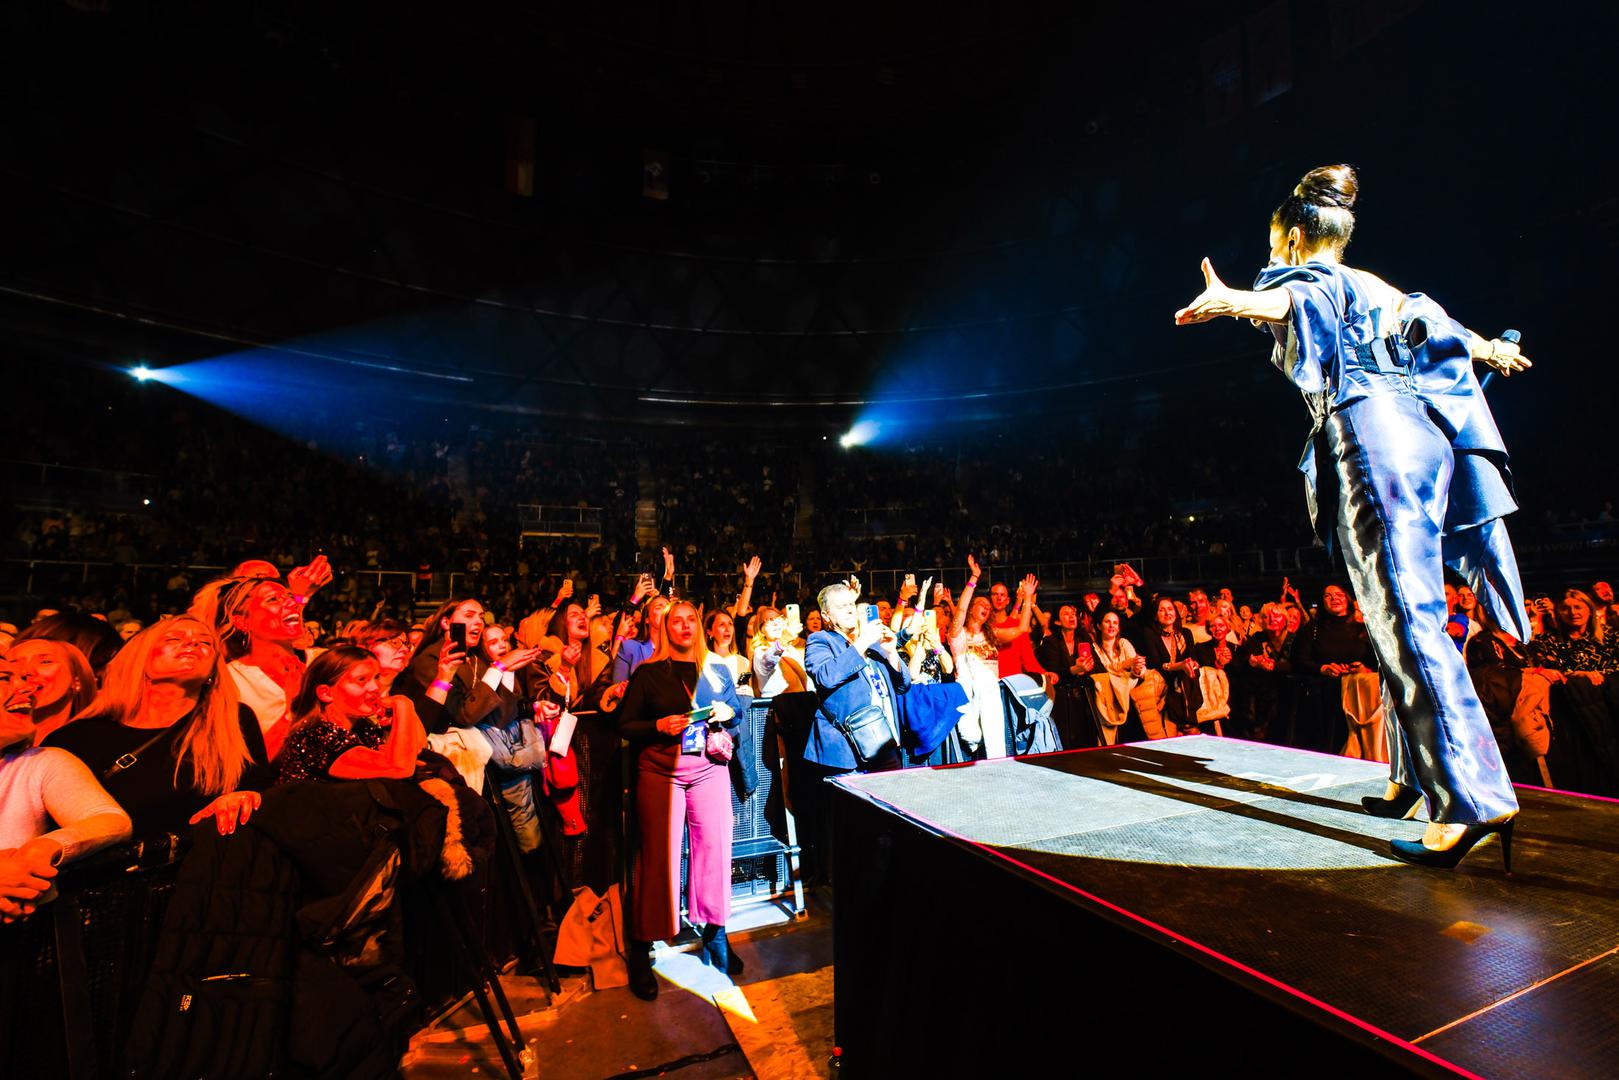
(434, 327)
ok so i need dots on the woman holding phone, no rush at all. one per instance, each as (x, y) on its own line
(677, 716)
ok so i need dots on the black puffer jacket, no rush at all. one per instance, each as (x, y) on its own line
(258, 920)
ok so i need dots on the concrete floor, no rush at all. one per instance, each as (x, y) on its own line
(781, 1029)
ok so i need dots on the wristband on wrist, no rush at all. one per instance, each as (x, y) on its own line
(972, 583)
(303, 601)
(443, 684)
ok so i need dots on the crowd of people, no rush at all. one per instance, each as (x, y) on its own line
(515, 715)
(178, 700)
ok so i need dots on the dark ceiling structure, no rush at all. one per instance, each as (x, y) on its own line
(699, 210)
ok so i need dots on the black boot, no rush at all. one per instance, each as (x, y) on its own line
(717, 952)
(643, 983)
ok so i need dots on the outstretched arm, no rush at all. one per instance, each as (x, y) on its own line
(1503, 356)
(1218, 298)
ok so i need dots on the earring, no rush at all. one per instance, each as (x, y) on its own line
(75, 686)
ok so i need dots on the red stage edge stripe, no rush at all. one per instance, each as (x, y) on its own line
(1560, 791)
(1373, 1029)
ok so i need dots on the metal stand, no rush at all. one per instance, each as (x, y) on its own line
(506, 841)
(452, 911)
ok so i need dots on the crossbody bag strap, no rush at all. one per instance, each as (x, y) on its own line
(127, 761)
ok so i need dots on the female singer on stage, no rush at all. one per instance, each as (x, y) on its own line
(1387, 482)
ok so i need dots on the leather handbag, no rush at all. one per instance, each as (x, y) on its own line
(867, 731)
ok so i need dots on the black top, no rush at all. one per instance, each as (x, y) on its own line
(656, 691)
(146, 789)
(1054, 656)
(313, 745)
(1260, 645)
(1332, 639)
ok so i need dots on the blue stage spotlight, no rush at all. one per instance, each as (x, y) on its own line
(141, 373)
(863, 432)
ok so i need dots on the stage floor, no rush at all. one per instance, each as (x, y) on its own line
(1260, 859)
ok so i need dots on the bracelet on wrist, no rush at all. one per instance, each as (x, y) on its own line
(443, 684)
(972, 583)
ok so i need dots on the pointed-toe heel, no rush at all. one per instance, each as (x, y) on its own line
(1402, 807)
(1415, 852)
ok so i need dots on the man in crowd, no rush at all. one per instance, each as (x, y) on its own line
(856, 666)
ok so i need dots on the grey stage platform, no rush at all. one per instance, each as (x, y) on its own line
(1257, 863)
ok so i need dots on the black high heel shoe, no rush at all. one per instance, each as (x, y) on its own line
(1414, 851)
(1401, 807)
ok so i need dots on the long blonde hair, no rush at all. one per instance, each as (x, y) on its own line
(698, 640)
(212, 741)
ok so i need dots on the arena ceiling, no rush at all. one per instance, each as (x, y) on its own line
(650, 210)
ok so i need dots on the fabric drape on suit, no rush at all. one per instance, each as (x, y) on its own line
(1387, 465)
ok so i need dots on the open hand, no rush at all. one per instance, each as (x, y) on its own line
(229, 810)
(1506, 357)
(517, 659)
(751, 570)
(304, 580)
(1215, 300)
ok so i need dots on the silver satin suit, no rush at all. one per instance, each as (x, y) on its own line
(1405, 474)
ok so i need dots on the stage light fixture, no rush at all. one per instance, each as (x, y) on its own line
(141, 372)
(859, 435)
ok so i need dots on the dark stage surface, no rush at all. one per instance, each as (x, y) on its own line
(1256, 864)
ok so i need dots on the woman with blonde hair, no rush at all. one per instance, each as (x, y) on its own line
(778, 662)
(59, 679)
(260, 624)
(167, 736)
(677, 716)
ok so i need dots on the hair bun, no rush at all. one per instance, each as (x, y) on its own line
(1330, 185)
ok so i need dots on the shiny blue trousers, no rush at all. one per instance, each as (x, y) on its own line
(1393, 468)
